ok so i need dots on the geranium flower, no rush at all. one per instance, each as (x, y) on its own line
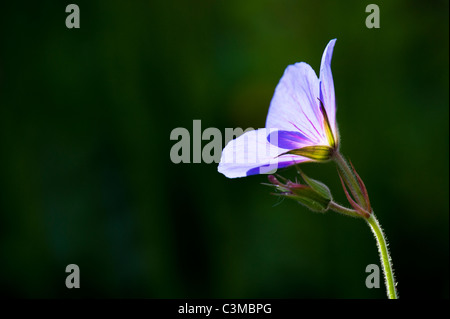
(301, 124)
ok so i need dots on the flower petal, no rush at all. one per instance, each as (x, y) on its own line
(289, 140)
(295, 104)
(256, 152)
(327, 86)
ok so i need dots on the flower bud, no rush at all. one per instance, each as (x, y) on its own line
(314, 195)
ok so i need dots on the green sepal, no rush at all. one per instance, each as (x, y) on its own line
(320, 153)
(310, 198)
(319, 187)
(315, 206)
(326, 122)
(317, 197)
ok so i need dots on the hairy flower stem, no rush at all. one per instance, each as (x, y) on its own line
(381, 244)
(355, 188)
(384, 256)
(343, 210)
(349, 178)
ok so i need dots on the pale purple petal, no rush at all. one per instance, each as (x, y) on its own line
(288, 140)
(295, 120)
(327, 86)
(256, 152)
(281, 164)
(295, 104)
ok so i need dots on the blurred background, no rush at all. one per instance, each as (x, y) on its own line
(85, 170)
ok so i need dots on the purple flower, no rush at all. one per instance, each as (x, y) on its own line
(300, 126)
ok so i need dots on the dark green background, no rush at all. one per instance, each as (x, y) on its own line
(86, 176)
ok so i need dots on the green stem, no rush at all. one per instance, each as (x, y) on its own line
(352, 183)
(343, 210)
(384, 256)
(350, 178)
